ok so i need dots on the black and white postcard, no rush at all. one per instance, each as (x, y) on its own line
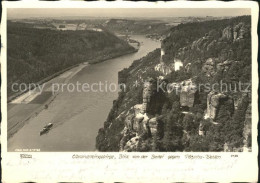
(129, 91)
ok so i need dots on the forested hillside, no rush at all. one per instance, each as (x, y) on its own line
(191, 111)
(34, 54)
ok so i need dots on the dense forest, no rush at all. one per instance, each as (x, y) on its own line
(147, 119)
(34, 54)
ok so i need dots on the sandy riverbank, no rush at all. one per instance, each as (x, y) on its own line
(31, 104)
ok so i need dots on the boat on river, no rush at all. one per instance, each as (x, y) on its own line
(46, 129)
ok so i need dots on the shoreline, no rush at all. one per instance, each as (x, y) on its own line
(14, 129)
(34, 113)
(45, 80)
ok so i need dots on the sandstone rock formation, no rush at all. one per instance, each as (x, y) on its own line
(187, 94)
(224, 66)
(211, 44)
(237, 32)
(209, 67)
(247, 128)
(137, 123)
(227, 33)
(162, 54)
(240, 31)
(213, 103)
(148, 90)
(163, 68)
(132, 144)
(127, 135)
(129, 121)
(177, 64)
(188, 67)
(153, 124)
(149, 125)
(201, 43)
(168, 68)
(201, 131)
(186, 89)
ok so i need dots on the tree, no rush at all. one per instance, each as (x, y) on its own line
(198, 144)
(237, 124)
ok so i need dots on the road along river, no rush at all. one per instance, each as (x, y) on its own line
(77, 115)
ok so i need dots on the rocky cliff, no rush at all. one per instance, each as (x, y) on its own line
(197, 107)
(214, 100)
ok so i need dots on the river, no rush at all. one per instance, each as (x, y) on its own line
(77, 116)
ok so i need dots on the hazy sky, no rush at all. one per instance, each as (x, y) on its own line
(124, 12)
